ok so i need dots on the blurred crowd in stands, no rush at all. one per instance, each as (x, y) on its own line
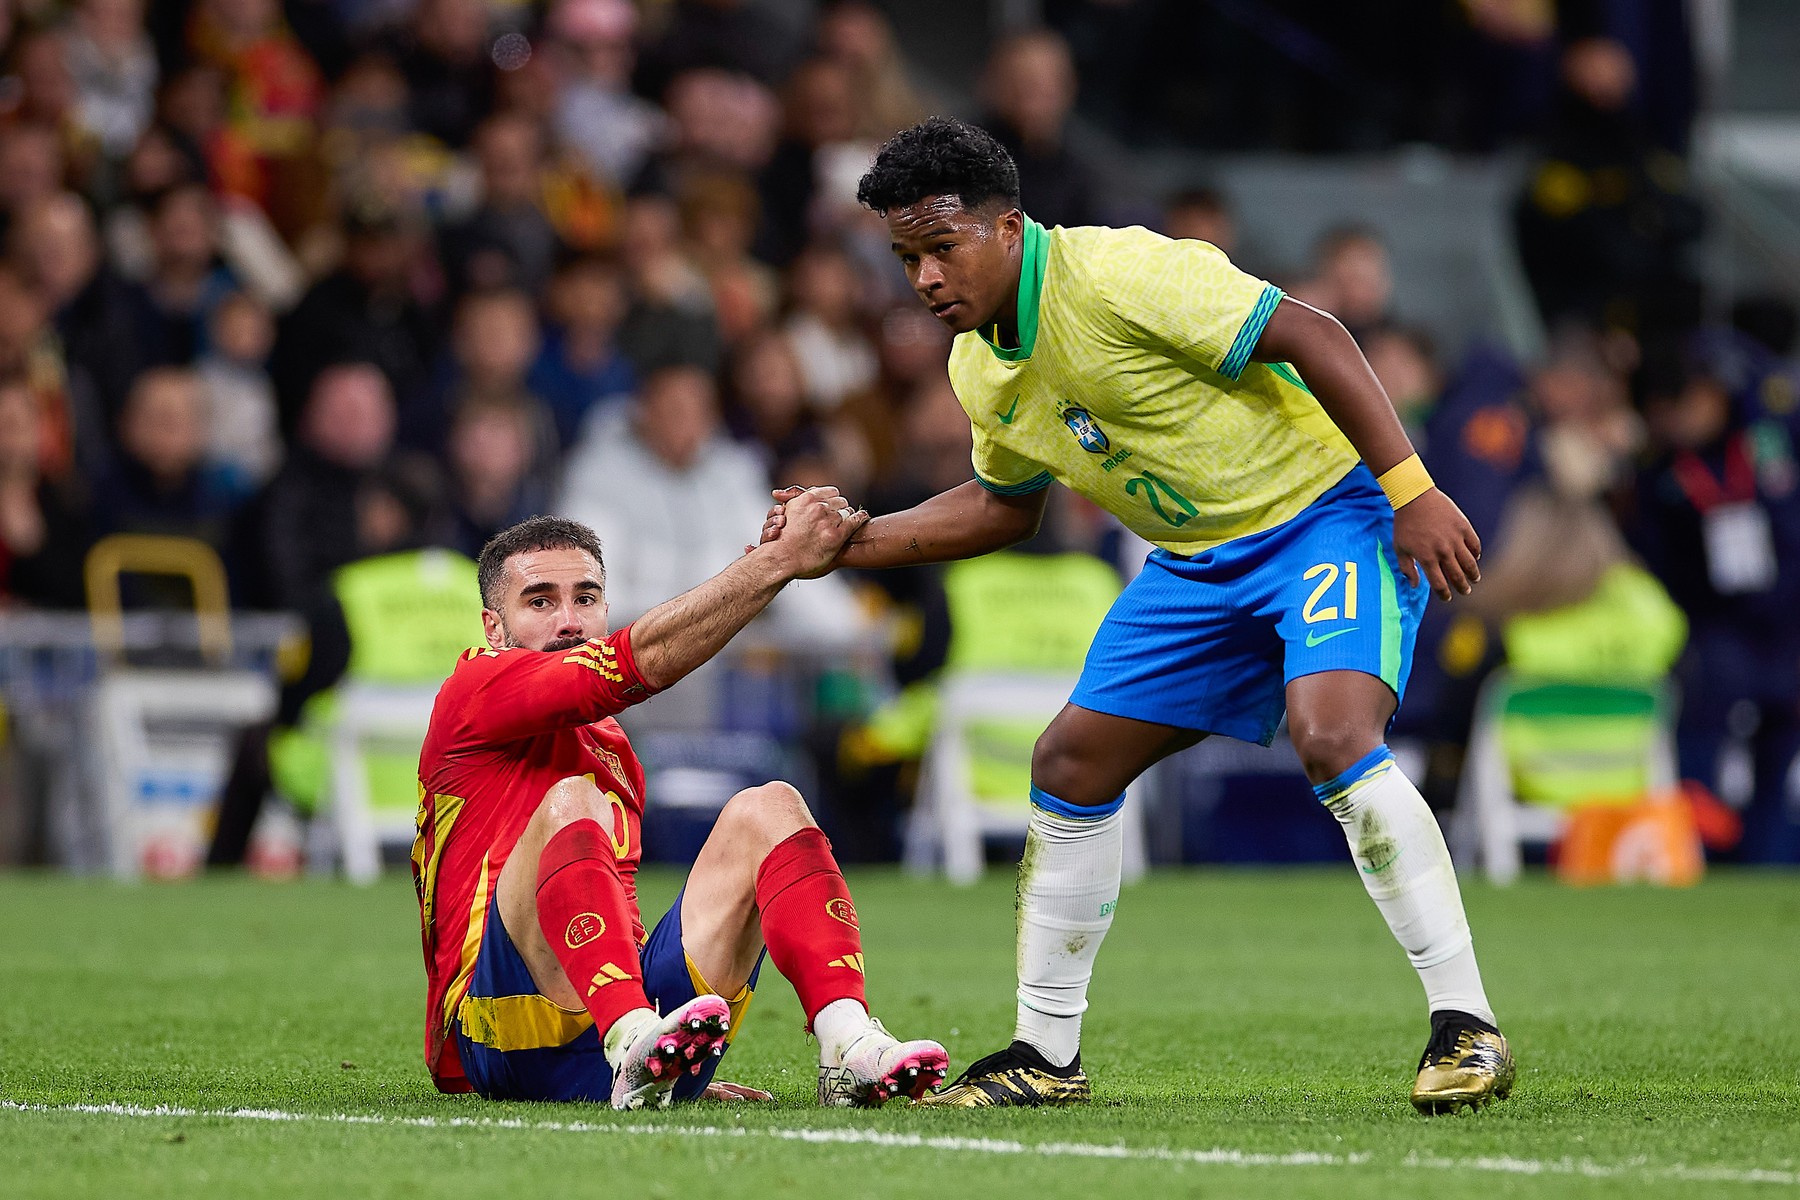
(313, 280)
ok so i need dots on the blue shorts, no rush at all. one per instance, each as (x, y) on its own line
(517, 1044)
(1210, 642)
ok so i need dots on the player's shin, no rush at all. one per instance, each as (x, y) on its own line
(1400, 853)
(1068, 888)
(809, 926)
(586, 917)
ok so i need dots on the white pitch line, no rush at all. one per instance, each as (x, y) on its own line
(1636, 1168)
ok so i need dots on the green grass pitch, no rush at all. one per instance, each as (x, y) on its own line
(1252, 1034)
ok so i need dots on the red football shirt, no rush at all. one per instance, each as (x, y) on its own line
(507, 725)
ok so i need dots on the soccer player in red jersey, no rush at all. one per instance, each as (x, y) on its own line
(543, 983)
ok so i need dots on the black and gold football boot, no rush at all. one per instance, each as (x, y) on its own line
(1016, 1077)
(1466, 1062)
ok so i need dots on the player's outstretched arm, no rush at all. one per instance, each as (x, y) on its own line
(678, 635)
(1429, 529)
(965, 522)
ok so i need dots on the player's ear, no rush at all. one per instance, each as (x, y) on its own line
(1010, 225)
(494, 628)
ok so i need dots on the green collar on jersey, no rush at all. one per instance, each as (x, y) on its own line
(1034, 254)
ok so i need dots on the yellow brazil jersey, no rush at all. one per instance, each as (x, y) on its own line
(1132, 384)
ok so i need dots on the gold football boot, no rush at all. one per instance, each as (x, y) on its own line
(1016, 1077)
(1465, 1062)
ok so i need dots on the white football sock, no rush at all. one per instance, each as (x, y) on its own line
(1400, 854)
(837, 1025)
(1068, 888)
(626, 1030)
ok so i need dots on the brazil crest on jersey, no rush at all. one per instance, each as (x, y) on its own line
(1132, 384)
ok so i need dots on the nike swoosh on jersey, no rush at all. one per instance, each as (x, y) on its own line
(1313, 637)
(1006, 418)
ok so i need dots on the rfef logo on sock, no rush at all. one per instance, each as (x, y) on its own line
(584, 928)
(840, 909)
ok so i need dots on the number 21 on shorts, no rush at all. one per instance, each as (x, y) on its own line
(1327, 575)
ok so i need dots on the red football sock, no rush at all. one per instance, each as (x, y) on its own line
(582, 909)
(808, 922)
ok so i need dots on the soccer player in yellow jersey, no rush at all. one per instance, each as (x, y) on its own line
(1243, 434)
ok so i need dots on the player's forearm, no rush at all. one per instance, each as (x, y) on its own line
(964, 522)
(678, 635)
(1333, 366)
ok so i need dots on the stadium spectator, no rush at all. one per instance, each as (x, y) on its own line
(766, 397)
(31, 168)
(46, 95)
(859, 36)
(443, 53)
(912, 349)
(493, 343)
(508, 240)
(1405, 361)
(581, 365)
(1029, 87)
(114, 68)
(1607, 219)
(597, 113)
(1203, 214)
(803, 186)
(247, 243)
(244, 434)
(187, 279)
(104, 323)
(272, 91)
(671, 320)
(717, 121)
(731, 35)
(1569, 601)
(161, 481)
(352, 631)
(365, 311)
(719, 212)
(836, 358)
(305, 523)
(44, 530)
(635, 476)
(1718, 520)
(75, 437)
(1588, 437)
(493, 444)
(1352, 279)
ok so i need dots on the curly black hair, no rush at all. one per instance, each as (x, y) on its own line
(940, 156)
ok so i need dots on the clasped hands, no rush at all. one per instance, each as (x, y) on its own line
(815, 523)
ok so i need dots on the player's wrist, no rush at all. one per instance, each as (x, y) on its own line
(1405, 481)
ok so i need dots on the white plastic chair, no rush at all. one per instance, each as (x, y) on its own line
(949, 822)
(164, 747)
(164, 732)
(1491, 824)
(368, 716)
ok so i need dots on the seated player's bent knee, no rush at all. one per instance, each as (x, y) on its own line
(767, 813)
(1327, 751)
(573, 799)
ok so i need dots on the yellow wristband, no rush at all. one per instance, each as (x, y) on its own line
(1405, 481)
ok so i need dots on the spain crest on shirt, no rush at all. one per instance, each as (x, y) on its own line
(1087, 431)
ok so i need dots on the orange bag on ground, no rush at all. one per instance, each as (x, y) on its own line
(1654, 841)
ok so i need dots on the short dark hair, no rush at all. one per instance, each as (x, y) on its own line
(940, 156)
(533, 533)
